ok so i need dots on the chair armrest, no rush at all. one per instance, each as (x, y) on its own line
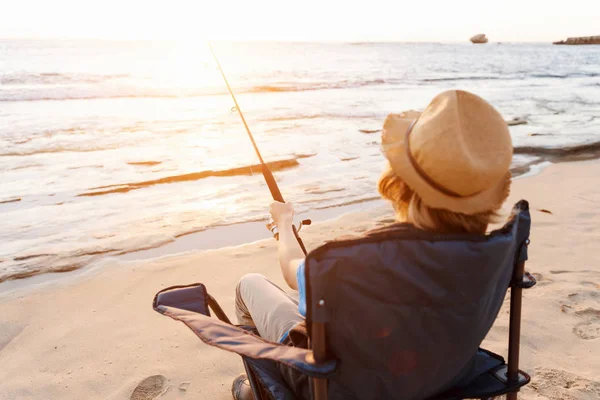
(234, 339)
(192, 297)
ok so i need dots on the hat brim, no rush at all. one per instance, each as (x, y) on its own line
(394, 147)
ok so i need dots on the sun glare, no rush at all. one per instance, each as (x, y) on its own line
(187, 64)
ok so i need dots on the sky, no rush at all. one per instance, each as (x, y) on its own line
(307, 20)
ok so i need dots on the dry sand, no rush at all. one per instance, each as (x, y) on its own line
(95, 335)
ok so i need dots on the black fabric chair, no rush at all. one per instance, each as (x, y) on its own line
(398, 313)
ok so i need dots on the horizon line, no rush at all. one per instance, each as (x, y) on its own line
(299, 41)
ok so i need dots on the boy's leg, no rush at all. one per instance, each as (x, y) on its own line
(261, 303)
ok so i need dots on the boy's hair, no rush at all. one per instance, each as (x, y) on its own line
(410, 208)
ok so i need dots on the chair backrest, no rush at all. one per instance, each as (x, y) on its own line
(406, 310)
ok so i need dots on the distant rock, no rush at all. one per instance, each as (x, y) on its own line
(480, 38)
(580, 40)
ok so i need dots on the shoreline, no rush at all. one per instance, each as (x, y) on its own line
(223, 236)
(245, 233)
(216, 238)
(220, 237)
(238, 234)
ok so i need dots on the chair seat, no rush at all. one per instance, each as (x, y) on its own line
(489, 384)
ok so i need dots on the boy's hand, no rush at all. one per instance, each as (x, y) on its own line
(282, 213)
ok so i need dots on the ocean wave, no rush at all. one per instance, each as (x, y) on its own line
(145, 163)
(111, 92)
(348, 203)
(25, 166)
(194, 176)
(15, 200)
(56, 78)
(300, 117)
(549, 76)
(582, 151)
(586, 74)
(562, 76)
(32, 271)
(461, 78)
(323, 191)
(59, 149)
(29, 265)
(295, 87)
(68, 86)
(73, 94)
(522, 75)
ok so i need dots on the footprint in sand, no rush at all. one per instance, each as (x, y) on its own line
(560, 271)
(593, 285)
(584, 303)
(553, 384)
(590, 328)
(150, 388)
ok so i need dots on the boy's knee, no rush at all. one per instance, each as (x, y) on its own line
(249, 280)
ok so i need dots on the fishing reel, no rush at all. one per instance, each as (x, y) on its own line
(275, 231)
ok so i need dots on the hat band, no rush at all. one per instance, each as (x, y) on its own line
(420, 171)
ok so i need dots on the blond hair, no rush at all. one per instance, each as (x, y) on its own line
(410, 208)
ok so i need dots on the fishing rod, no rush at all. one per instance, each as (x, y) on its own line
(267, 174)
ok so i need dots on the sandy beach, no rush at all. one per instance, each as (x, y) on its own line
(94, 335)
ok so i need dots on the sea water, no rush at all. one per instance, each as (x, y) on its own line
(108, 147)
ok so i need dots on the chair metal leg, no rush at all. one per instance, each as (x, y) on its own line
(514, 339)
(320, 355)
(254, 385)
(320, 389)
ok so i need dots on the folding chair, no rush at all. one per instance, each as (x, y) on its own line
(398, 313)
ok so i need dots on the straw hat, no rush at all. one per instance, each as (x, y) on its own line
(455, 155)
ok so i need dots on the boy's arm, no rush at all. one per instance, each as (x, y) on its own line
(289, 251)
